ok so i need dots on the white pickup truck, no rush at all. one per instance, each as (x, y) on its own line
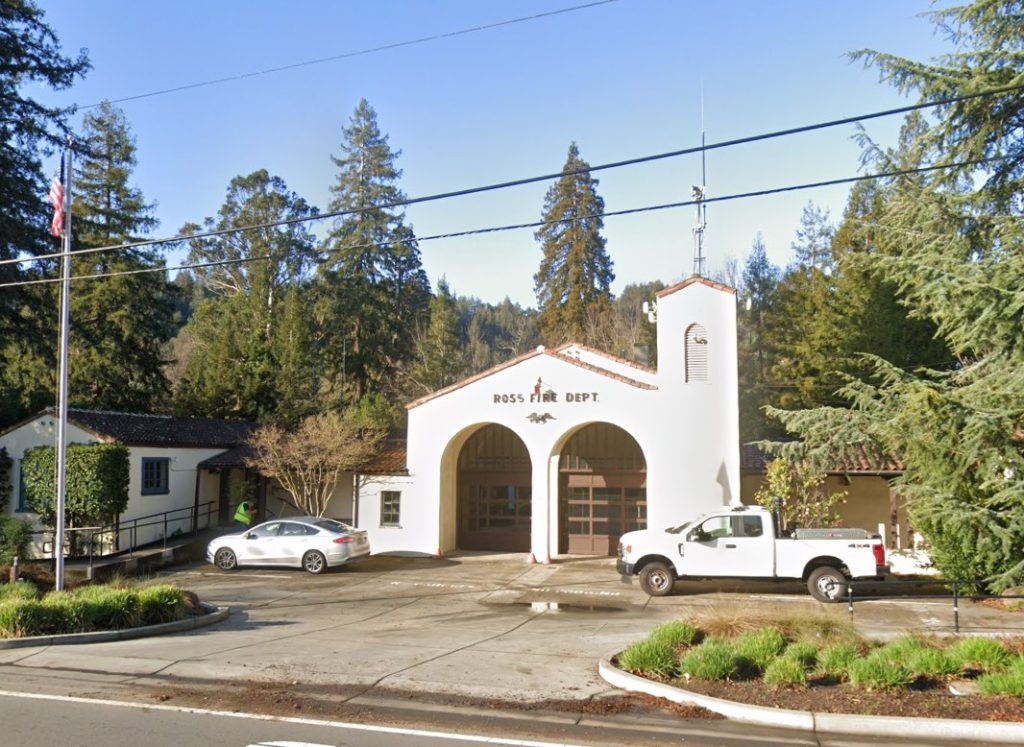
(742, 542)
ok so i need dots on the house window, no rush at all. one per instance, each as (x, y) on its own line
(696, 353)
(22, 494)
(154, 475)
(390, 507)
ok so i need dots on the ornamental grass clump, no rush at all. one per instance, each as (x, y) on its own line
(110, 609)
(675, 633)
(901, 649)
(878, 671)
(650, 658)
(835, 660)
(785, 671)
(161, 604)
(932, 662)
(18, 590)
(713, 659)
(1008, 682)
(758, 649)
(804, 653)
(980, 653)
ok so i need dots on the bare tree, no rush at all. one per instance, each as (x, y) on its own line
(309, 461)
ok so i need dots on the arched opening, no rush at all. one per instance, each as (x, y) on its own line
(494, 492)
(602, 490)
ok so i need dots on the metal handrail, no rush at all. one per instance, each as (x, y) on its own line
(132, 526)
(956, 592)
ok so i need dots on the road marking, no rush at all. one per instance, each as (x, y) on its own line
(288, 744)
(288, 720)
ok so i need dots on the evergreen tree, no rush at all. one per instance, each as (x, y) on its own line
(813, 245)
(952, 243)
(31, 56)
(761, 281)
(574, 280)
(252, 344)
(441, 357)
(119, 324)
(374, 290)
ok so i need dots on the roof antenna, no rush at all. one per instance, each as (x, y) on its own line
(699, 195)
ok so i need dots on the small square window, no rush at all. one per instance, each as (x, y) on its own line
(390, 507)
(154, 476)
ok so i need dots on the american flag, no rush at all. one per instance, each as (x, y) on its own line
(57, 200)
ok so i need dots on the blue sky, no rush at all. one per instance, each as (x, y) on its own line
(622, 80)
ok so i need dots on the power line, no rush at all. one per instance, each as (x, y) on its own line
(544, 177)
(359, 53)
(517, 226)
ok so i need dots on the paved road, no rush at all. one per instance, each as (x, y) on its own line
(398, 633)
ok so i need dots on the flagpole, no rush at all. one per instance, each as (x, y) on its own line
(62, 390)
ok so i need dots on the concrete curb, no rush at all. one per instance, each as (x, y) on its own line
(831, 723)
(214, 615)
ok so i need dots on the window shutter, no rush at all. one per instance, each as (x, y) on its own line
(696, 353)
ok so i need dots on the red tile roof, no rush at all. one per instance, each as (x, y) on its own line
(753, 461)
(390, 460)
(693, 280)
(609, 356)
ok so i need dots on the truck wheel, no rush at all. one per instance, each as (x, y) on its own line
(826, 584)
(656, 579)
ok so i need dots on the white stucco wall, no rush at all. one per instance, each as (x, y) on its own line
(408, 535)
(41, 431)
(689, 432)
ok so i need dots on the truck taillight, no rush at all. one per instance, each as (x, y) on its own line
(879, 551)
(343, 540)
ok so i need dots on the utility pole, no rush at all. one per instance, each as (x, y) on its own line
(62, 391)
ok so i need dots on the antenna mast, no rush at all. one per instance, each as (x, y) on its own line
(699, 194)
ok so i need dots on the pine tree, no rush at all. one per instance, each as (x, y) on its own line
(253, 342)
(31, 56)
(374, 290)
(761, 281)
(575, 275)
(952, 243)
(441, 357)
(813, 244)
(119, 324)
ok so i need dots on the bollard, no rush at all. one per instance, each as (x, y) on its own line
(14, 570)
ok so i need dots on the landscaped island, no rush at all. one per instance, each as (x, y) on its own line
(26, 611)
(821, 665)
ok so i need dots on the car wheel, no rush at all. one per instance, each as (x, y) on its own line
(225, 559)
(314, 562)
(826, 584)
(656, 579)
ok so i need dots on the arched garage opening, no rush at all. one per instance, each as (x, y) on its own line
(494, 492)
(602, 490)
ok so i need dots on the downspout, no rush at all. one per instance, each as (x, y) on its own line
(355, 499)
(195, 503)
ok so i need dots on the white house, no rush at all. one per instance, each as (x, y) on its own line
(171, 487)
(561, 451)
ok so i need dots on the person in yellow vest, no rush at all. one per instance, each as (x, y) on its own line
(244, 515)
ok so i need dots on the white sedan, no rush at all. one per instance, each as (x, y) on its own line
(298, 541)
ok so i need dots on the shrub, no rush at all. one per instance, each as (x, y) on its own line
(785, 670)
(15, 539)
(675, 633)
(713, 659)
(160, 604)
(980, 653)
(802, 652)
(650, 658)
(877, 671)
(759, 648)
(1009, 682)
(835, 660)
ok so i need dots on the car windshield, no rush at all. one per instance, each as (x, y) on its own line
(333, 526)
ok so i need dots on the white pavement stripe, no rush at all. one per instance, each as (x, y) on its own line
(288, 744)
(288, 720)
